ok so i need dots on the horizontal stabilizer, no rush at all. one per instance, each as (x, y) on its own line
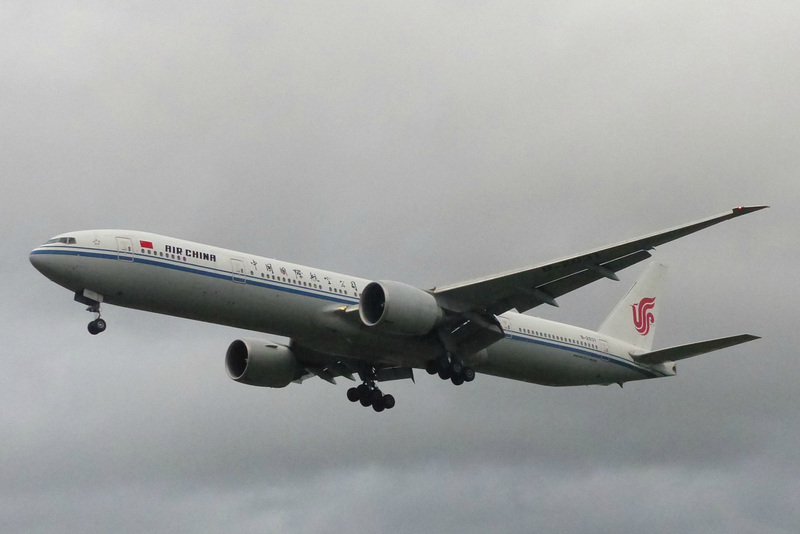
(682, 352)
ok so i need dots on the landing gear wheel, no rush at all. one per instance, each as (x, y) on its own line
(368, 393)
(384, 402)
(450, 367)
(363, 394)
(432, 367)
(468, 373)
(97, 326)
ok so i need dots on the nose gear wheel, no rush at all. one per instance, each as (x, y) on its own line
(98, 325)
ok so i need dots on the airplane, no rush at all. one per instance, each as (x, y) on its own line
(340, 325)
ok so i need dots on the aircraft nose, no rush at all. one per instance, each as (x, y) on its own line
(45, 263)
(39, 261)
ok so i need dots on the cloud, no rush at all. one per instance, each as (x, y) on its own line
(423, 143)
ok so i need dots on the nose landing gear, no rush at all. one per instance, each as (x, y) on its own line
(98, 325)
(93, 300)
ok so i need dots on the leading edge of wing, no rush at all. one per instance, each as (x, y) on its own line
(529, 287)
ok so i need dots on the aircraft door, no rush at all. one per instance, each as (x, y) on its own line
(506, 326)
(124, 249)
(237, 271)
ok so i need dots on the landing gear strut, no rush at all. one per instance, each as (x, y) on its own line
(368, 394)
(449, 367)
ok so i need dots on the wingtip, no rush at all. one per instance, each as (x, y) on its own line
(743, 210)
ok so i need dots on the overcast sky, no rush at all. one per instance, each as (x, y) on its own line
(426, 142)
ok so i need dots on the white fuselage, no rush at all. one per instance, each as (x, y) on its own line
(175, 277)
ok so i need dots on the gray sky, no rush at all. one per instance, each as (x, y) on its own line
(427, 143)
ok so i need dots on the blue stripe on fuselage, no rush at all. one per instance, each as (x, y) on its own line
(210, 272)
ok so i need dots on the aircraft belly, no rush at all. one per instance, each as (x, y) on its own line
(554, 365)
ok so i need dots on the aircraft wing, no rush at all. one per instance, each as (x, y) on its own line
(527, 288)
(328, 366)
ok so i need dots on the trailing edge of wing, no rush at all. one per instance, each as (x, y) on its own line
(682, 352)
(526, 288)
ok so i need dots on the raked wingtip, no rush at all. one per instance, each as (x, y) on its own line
(744, 210)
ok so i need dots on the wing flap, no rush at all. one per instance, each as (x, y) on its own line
(570, 283)
(682, 352)
(475, 333)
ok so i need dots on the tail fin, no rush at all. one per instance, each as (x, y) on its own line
(635, 318)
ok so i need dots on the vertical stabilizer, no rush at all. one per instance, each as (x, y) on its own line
(635, 318)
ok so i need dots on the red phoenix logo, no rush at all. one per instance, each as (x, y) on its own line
(643, 316)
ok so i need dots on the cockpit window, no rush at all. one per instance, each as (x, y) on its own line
(62, 240)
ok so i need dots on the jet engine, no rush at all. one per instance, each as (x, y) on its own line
(399, 308)
(262, 363)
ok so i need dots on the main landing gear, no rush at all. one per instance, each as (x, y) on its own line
(449, 367)
(368, 394)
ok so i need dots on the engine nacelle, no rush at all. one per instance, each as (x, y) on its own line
(262, 363)
(399, 308)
